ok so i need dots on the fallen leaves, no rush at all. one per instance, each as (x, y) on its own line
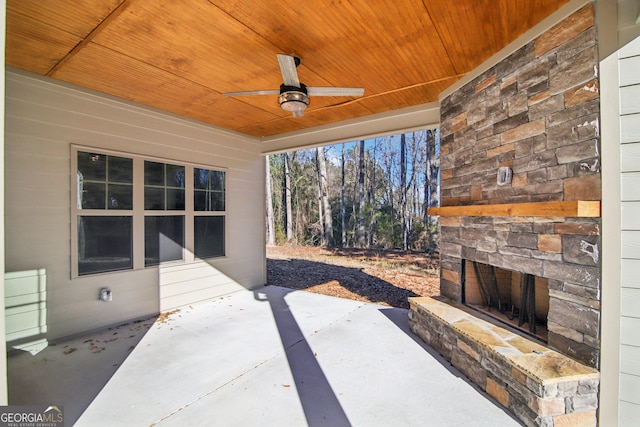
(166, 316)
(382, 277)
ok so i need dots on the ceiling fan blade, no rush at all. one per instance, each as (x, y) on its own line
(288, 70)
(253, 92)
(335, 91)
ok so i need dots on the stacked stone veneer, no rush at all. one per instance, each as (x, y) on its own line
(540, 386)
(537, 112)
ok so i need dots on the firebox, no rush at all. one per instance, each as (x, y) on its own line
(517, 299)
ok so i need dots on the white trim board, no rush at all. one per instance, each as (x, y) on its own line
(388, 123)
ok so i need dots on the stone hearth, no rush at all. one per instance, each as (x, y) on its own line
(540, 386)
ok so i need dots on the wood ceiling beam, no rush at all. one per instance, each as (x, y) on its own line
(442, 41)
(86, 40)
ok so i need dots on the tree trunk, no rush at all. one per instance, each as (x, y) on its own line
(433, 170)
(342, 204)
(271, 236)
(287, 198)
(426, 195)
(354, 207)
(431, 181)
(403, 191)
(372, 197)
(361, 234)
(319, 200)
(324, 193)
(388, 161)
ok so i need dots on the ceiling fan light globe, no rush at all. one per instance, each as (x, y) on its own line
(294, 102)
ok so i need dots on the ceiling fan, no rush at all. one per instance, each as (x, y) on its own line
(293, 95)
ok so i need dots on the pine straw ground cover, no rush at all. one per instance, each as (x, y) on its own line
(381, 277)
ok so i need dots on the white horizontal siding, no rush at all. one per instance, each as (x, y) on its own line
(629, 157)
(629, 80)
(630, 302)
(629, 330)
(630, 215)
(43, 119)
(630, 186)
(629, 273)
(202, 295)
(630, 100)
(629, 414)
(630, 360)
(630, 128)
(630, 388)
(631, 244)
(630, 71)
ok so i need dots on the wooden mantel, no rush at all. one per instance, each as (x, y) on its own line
(579, 208)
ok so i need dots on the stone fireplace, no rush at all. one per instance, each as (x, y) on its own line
(536, 113)
(520, 192)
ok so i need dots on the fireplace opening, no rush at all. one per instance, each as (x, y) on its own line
(518, 299)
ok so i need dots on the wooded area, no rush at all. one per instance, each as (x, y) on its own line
(370, 193)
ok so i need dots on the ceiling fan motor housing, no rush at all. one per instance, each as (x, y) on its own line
(294, 99)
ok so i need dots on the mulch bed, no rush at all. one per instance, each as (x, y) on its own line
(383, 277)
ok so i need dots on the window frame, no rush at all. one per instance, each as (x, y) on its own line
(138, 213)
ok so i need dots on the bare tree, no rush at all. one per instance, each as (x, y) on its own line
(320, 222)
(361, 234)
(324, 196)
(417, 161)
(431, 181)
(427, 180)
(434, 170)
(271, 234)
(287, 198)
(372, 196)
(387, 186)
(389, 162)
(403, 191)
(342, 204)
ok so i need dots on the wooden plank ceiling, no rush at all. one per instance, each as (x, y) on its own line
(181, 55)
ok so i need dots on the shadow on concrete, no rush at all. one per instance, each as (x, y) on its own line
(319, 402)
(72, 372)
(401, 320)
(301, 274)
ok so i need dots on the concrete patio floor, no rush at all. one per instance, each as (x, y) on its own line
(269, 357)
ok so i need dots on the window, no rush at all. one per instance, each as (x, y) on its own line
(208, 190)
(104, 244)
(209, 236)
(104, 182)
(133, 212)
(163, 239)
(163, 186)
(209, 198)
